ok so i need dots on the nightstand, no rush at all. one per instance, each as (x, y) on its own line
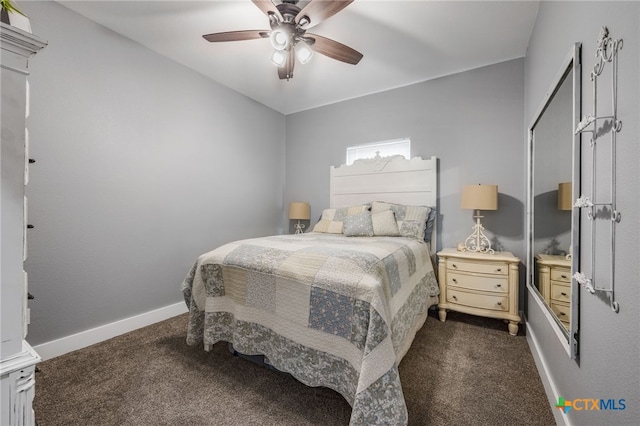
(554, 279)
(479, 284)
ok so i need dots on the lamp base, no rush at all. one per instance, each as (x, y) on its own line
(478, 242)
(299, 228)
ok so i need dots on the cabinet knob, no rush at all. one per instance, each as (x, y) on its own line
(31, 161)
(30, 296)
(29, 226)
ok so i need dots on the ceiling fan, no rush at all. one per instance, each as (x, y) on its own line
(289, 24)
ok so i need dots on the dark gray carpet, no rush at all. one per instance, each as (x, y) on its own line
(467, 371)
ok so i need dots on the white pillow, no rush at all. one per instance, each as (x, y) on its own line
(384, 224)
(412, 220)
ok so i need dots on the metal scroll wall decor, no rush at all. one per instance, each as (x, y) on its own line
(601, 209)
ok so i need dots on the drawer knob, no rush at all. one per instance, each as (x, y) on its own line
(499, 303)
(563, 293)
(564, 276)
(454, 266)
(562, 314)
(499, 270)
(454, 297)
(498, 285)
(454, 280)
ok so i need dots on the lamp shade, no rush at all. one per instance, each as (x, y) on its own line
(299, 210)
(303, 52)
(280, 39)
(480, 197)
(565, 197)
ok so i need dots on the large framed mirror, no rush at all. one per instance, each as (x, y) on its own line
(553, 184)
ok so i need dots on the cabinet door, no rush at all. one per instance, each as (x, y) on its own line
(12, 202)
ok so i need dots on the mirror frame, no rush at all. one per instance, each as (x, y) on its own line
(569, 339)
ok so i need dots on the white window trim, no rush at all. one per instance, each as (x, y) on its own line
(386, 148)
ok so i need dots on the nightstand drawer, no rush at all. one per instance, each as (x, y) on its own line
(477, 267)
(483, 301)
(560, 292)
(496, 284)
(561, 310)
(560, 274)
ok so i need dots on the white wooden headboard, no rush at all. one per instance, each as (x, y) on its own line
(391, 179)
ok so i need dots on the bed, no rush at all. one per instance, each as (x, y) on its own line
(339, 306)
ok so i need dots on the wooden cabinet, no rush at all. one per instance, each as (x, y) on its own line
(554, 283)
(479, 284)
(17, 358)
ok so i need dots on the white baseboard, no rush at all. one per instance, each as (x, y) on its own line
(90, 337)
(549, 385)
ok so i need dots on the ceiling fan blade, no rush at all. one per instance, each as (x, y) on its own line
(237, 35)
(335, 50)
(319, 10)
(285, 72)
(267, 6)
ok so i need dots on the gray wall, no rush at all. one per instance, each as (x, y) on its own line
(142, 165)
(609, 343)
(471, 121)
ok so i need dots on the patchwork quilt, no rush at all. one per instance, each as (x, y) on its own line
(331, 310)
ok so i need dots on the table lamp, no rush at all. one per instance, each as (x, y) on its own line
(301, 211)
(565, 198)
(479, 197)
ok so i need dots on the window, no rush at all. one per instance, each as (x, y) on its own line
(383, 149)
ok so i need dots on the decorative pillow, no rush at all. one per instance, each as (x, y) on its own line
(358, 225)
(331, 221)
(384, 224)
(412, 220)
(430, 220)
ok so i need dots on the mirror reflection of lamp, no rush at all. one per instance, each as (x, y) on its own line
(479, 197)
(301, 211)
(565, 201)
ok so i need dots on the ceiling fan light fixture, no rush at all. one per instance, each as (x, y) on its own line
(303, 52)
(278, 57)
(279, 39)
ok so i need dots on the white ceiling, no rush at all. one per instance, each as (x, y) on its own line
(403, 42)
